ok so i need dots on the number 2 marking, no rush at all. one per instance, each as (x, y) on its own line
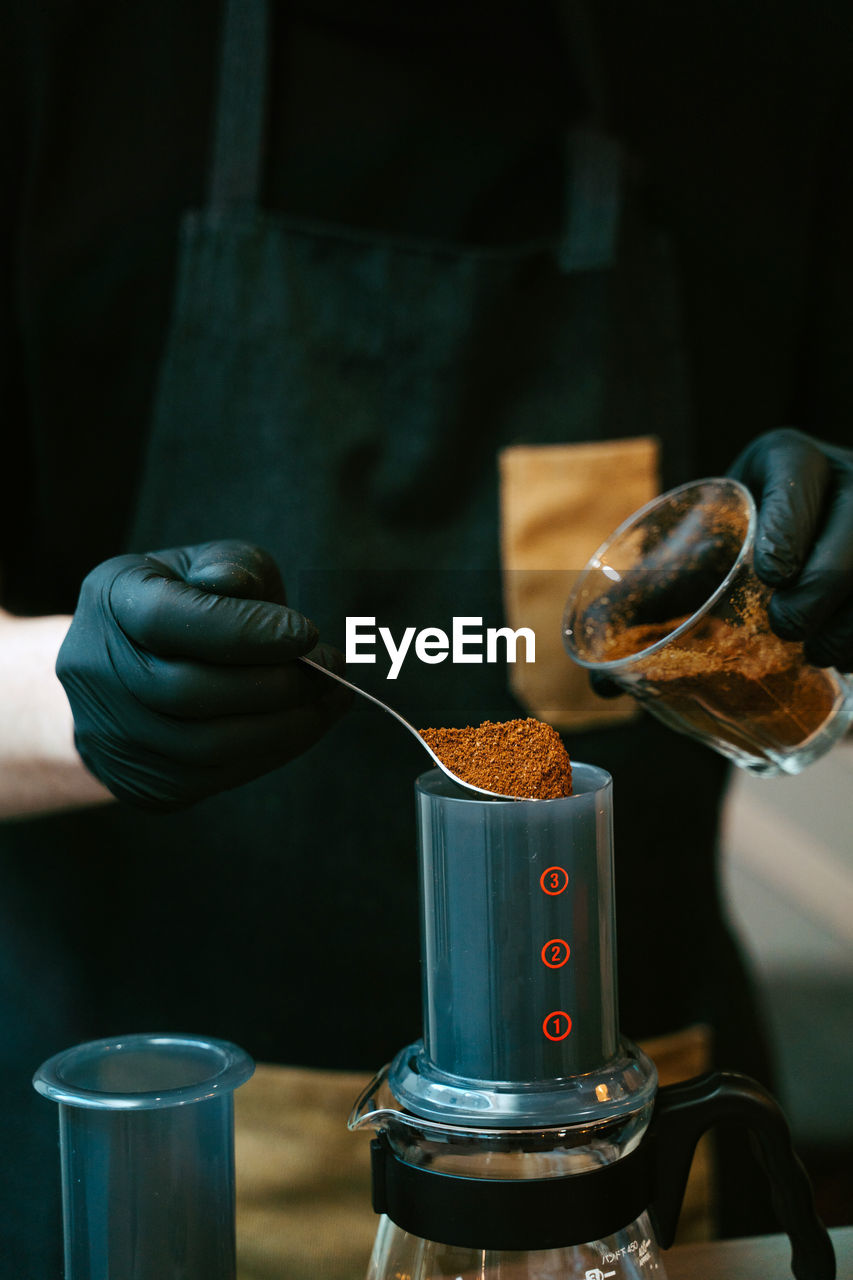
(555, 953)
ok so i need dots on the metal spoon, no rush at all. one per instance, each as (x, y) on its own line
(309, 662)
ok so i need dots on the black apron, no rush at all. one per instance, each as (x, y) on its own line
(340, 398)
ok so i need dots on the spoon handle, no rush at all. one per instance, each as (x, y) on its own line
(333, 675)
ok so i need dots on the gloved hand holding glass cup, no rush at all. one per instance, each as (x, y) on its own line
(671, 609)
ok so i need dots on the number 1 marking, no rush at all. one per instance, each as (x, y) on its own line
(557, 1025)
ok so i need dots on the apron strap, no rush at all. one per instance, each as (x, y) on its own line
(236, 165)
(593, 201)
(594, 161)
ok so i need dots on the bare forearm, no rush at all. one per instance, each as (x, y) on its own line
(40, 769)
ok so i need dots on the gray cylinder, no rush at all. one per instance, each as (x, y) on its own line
(518, 934)
(147, 1155)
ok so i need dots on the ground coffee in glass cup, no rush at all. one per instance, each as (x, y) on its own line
(670, 609)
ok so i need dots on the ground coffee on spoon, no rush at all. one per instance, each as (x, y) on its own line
(524, 759)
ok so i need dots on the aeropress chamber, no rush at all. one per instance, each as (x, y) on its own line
(146, 1136)
(523, 1134)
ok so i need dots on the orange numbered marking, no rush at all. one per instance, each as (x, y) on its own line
(555, 953)
(554, 880)
(557, 1025)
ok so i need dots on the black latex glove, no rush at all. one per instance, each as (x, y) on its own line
(804, 541)
(180, 667)
(803, 489)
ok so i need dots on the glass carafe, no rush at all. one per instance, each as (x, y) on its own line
(582, 1202)
(628, 1255)
(538, 1196)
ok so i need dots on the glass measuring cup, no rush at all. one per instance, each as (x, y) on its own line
(670, 609)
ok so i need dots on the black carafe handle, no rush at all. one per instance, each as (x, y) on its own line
(683, 1112)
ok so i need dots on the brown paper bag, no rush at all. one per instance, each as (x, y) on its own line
(558, 504)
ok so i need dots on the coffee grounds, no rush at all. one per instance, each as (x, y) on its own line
(732, 679)
(524, 759)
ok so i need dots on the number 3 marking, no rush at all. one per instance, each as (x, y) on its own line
(554, 880)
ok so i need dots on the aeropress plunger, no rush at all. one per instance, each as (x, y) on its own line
(146, 1135)
(523, 1134)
